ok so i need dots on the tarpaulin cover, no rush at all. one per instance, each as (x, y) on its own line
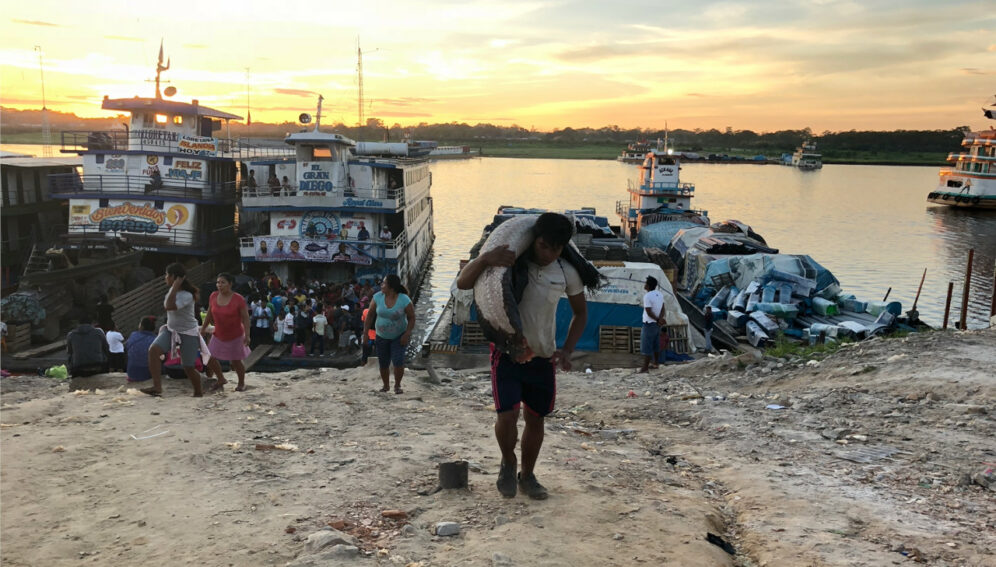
(659, 235)
(22, 307)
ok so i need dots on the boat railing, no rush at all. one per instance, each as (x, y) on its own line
(65, 184)
(663, 188)
(142, 140)
(343, 191)
(252, 148)
(623, 209)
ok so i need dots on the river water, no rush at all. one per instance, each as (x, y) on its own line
(869, 225)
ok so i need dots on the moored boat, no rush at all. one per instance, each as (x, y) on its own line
(637, 151)
(452, 152)
(339, 210)
(970, 182)
(806, 158)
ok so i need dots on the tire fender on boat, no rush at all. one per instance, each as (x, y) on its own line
(945, 196)
(976, 200)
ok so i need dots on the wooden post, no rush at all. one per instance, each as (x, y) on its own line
(964, 295)
(992, 302)
(947, 305)
(887, 294)
(919, 289)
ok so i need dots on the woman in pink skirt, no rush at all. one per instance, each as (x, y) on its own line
(230, 316)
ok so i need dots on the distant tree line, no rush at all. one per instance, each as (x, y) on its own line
(455, 133)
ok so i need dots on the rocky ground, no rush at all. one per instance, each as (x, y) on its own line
(880, 454)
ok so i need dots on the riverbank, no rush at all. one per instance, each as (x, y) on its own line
(546, 150)
(877, 454)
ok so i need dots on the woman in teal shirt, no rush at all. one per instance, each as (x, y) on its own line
(392, 316)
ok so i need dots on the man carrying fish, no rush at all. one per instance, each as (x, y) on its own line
(518, 312)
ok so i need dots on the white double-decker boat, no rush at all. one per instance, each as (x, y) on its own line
(806, 158)
(339, 210)
(971, 181)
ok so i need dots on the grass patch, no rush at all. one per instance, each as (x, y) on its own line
(784, 347)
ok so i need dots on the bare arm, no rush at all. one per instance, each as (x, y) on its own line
(500, 256)
(579, 307)
(410, 313)
(244, 311)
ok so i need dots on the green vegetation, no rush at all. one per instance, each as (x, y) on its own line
(785, 347)
(900, 147)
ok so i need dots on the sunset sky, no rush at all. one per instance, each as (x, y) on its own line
(544, 64)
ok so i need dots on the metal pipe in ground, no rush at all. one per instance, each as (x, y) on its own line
(947, 305)
(992, 302)
(968, 285)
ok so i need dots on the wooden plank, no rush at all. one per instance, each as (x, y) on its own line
(257, 353)
(44, 349)
(278, 350)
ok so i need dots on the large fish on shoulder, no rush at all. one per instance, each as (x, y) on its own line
(496, 287)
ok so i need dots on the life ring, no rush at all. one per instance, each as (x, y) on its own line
(976, 200)
(945, 196)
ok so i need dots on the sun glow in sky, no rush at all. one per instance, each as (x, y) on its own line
(761, 65)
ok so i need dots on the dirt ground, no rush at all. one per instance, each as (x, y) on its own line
(878, 455)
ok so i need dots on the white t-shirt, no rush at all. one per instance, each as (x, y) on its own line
(288, 324)
(655, 301)
(262, 315)
(115, 341)
(319, 323)
(538, 308)
(182, 318)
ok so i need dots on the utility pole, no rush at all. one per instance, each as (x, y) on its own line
(359, 75)
(248, 109)
(46, 127)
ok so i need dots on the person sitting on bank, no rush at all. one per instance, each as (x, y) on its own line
(137, 350)
(87, 349)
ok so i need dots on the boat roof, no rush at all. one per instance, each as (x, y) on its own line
(316, 137)
(171, 106)
(29, 161)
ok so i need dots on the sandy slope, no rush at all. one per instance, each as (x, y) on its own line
(636, 479)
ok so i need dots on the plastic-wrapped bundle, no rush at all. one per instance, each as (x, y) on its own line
(877, 307)
(737, 319)
(767, 323)
(731, 299)
(719, 299)
(753, 300)
(780, 310)
(829, 331)
(768, 293)
(755, 334)
(825, 306)
(785, 293)
(851, 303)
(740, 303)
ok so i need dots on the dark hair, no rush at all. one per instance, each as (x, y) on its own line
(554, 228)
(227, 277)
(148, 323)
(652, 283)
(177, 270)
(394, 282)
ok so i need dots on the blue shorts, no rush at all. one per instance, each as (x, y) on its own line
(650, 339)
(390, 351)
(533, 383)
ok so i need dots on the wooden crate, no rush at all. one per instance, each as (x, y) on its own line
(613, 338)
(679, 339)
(18, 337)
(472, 334)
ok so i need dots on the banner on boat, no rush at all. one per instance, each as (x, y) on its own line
(323, 225)
(116, 216)
(197, 145)
(290, 248)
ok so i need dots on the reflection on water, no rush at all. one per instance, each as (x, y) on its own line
(869, 225)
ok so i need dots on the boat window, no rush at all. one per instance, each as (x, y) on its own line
(178, 120)
(161, 120)
(321, 152)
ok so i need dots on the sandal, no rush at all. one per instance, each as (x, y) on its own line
(398, 390)
(152, 392)
(384, 389)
